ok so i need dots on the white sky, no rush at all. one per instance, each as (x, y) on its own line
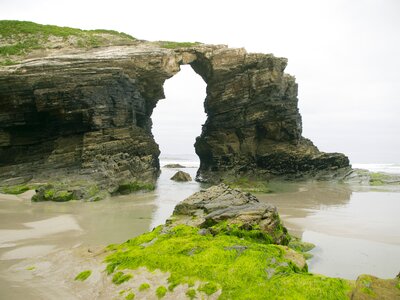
(344, 54)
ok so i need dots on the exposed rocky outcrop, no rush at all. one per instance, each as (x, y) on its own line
(222, 208)
(87, 114)
(253, 125)
(181, 176)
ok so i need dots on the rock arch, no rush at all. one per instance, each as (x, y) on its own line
(89, 115)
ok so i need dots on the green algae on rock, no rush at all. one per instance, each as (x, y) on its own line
(82, 276)
(130, 187)
(120, 277)
(377, 179)
(369, 287)
(240, 267)
(143, 287)
(130, 296)
(221, 209)
(62, 191)
(221, 259)
(161, 291)
(16, 189)
(234, 254)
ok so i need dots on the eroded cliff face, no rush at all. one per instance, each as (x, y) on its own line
(87, 115)
(254, 127)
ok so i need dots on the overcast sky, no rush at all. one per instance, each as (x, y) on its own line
(344, 54)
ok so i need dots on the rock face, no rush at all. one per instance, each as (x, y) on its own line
(181, 176)
(87, 114)
(222, 205)
(254, 126)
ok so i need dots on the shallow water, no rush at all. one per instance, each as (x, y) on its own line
(356, 230)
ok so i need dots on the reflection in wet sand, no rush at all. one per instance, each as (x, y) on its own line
(39, 229)
(300, 200)
(354, 231)
(348, 257)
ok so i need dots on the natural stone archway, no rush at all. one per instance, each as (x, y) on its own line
(178, 119)
(253, 125)
(88, 115)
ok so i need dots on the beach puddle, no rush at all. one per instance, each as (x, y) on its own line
(355, 230)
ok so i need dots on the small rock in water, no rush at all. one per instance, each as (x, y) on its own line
(181, 176)
(172, 166)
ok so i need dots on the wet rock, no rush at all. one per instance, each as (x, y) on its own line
(222, 205)
(174, 166)
(181, 176)
(365, 177)
(15, 180)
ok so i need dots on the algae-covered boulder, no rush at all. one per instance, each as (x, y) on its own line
(181, 176)
(221, 243)
(371, 287)
(221, 208)
(66, 191)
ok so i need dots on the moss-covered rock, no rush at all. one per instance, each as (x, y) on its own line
(213, 248)
(371, 287)
(16, 189)
(301, 247)
(240, 268)
(66, 191)
(377, 178)
(221, 209)
(50, 192)
(228, 260)
(134, 186)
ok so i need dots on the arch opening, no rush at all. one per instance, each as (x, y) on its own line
(178, 118)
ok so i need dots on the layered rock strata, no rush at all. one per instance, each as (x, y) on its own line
(87, 114)
(222, 208)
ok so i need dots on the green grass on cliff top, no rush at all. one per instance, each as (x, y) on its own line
(175, 45)
(241, 269)
(21, 37)
(11, 28)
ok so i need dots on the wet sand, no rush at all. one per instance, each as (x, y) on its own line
(356, 231)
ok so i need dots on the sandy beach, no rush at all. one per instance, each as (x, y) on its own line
(354, 229)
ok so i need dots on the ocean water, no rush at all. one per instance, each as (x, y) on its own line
(393, 168)
(187, 160)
